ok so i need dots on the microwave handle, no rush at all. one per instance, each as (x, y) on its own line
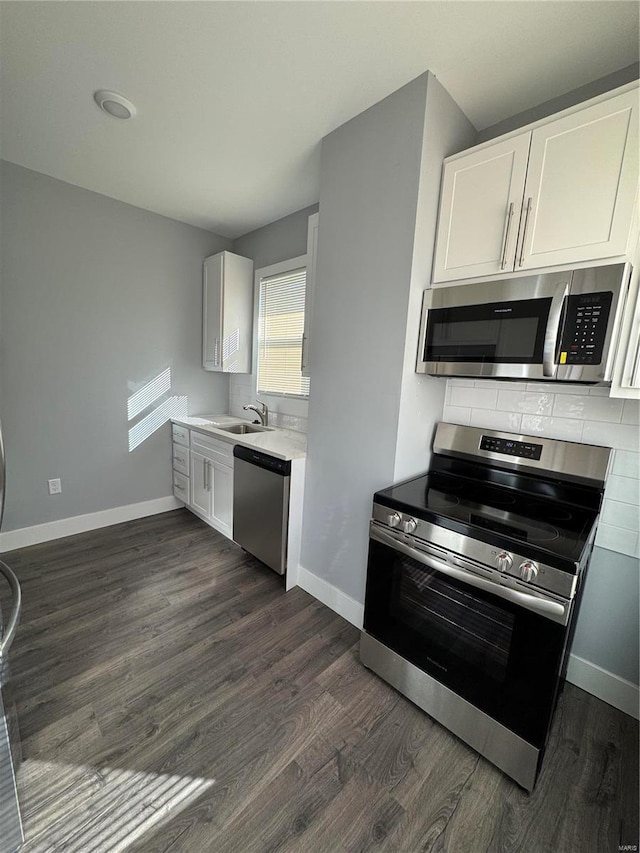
(553, 330)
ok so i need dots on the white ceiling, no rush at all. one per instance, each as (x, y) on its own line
(234, 97)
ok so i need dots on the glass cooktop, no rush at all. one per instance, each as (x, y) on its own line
(495, 514)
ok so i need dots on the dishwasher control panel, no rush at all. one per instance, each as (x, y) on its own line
(262, 460)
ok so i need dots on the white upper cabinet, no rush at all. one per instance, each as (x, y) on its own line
(227, 313)
(581, 185)
(562, 192)
(480, 209)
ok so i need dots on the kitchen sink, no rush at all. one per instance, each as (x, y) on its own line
(243, 429)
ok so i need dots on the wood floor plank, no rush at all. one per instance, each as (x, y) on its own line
(174, 699)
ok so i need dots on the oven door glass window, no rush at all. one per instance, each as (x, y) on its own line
(498, 333)
(503, 659)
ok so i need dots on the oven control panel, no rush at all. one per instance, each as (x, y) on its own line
(524, 449)
(479, 557)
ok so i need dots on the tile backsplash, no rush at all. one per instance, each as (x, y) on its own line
(283, 412)
(572, 413)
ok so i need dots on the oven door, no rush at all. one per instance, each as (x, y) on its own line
(498, 655)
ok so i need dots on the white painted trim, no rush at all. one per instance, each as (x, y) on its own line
(612, 689)
(607, 686)
(334, 598)
(26, 536)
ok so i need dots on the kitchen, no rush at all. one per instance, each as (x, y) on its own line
(361, 430)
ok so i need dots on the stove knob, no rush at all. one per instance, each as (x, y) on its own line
(528, 571)
(393, 519)
(409, 525)
(504, 561)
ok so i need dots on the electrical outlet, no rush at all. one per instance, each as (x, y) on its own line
(55, 486)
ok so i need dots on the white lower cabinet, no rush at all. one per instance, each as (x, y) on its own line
(211, 469)
(203, 479)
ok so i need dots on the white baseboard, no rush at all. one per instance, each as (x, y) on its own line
(26, 536)
(612, 689)
(338, 601)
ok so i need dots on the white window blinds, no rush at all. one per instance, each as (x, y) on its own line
(280, 327)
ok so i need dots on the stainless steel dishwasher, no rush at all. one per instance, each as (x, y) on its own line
(261, 506)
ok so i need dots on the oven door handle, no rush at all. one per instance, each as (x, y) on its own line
(549, 609)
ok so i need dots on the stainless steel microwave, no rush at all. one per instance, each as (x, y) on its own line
(560, 326)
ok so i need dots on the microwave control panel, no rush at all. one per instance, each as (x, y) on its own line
(585, 328)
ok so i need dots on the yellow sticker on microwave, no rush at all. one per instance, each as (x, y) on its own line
(563, 358)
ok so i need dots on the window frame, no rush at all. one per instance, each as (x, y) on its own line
(265, 272)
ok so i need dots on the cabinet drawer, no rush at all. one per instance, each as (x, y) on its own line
(180, 434)
(213, 448)
(181, 486)
(181, 459)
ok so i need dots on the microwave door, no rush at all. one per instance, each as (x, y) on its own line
(506, 338)
(554, 326)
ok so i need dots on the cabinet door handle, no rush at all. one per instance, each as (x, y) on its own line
(209, 475)
(205, 474)
(503, 259)
(527, 211)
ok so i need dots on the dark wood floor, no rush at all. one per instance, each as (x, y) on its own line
(173, 698)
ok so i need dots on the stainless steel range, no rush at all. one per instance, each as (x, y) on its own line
(474, 578)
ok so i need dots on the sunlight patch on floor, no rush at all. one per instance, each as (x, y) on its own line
(81, 809)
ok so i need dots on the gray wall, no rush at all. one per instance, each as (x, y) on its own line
(280, 240)
(608, 628)
(562, 102)
(97, 298)
(446, 131)
(369, 191)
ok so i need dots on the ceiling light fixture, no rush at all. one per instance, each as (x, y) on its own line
(114, 104)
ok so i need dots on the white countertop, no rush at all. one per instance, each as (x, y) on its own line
(281, 443)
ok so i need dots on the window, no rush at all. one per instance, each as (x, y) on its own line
(280, 327)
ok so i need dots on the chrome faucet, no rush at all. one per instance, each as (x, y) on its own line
(263, 413)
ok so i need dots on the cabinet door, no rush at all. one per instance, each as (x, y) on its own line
(237, 314)
(200, 492)
(222, 492)
(181, 459)
(181, 487)
(480, 206)
(312, 255)
(212, 279)
(581, 185)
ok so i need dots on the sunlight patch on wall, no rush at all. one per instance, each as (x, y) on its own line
(148, 394)
(174, 407)
(81, 809)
